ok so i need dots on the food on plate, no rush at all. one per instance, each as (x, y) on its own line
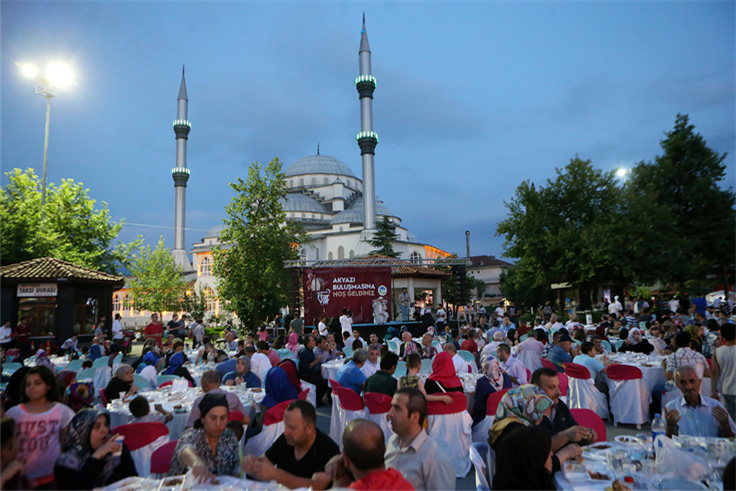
(618, 486)
(602, 446)
(627, 439)
(256, 390)
(598, 476)
(178, 406)
(172, 481)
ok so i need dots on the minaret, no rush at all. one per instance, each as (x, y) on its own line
(367, 139)
(180, 173)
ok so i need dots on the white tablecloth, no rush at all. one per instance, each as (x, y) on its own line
(652, 375)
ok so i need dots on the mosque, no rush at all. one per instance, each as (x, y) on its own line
(336, 207)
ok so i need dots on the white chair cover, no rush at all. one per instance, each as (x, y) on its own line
(336, 422)
(347, 416)
(480, 431)
(583, 394)
(258, 444)
(630, 401)
(142, 456)
(453, 433)
(394, 345)
(380, 420)
(672, 395)
(532, 360)
(102, 378)
(480, 458)
(312, 395)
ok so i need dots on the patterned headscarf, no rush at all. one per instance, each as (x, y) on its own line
(42, 359)
(77, 446)
(492, 371)
(81, 394)
(526, 403)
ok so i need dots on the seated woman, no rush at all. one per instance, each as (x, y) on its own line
(443, 377)
(293, 344)
(524, 461)
(290, 368)
(151, 358)
(242, 374)
(526, 405)
(177, 361)
(635, 344)
(209, 448)
(657, 342)
(512, 338)
(493, 381)
(121, 382)
(88, 459)
(412, 380)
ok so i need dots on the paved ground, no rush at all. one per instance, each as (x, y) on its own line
(466, 483)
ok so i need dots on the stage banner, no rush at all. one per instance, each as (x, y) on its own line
(366, 292)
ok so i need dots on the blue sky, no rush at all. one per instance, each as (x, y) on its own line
(472, 98)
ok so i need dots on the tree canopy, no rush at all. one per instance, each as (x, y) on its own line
(158, 283)
(383, 240)
(257, 240)
(68, 227)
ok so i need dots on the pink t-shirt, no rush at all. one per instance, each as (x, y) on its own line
(39, 437)
(274, 357)
(262, 336)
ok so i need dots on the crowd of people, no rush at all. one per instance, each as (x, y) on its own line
(56, 435)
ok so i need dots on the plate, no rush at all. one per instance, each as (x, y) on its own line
(628, 440)
(592, 454)
(666, 483)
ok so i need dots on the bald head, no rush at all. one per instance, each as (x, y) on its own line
(364, 445)
(450, 348)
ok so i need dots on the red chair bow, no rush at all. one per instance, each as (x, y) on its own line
(589, 419)
(623, 372)
(161, 458)
(564, 383)
(459, 404)
(349, 400)
(548, 364)
(575, 370)
(275, 414)
(493, 401)
(377, 403)
(234, 416)
(138, 435)
(303, 395)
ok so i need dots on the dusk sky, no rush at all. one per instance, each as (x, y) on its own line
(471, 99)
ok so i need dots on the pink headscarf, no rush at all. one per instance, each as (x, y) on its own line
(293, 343)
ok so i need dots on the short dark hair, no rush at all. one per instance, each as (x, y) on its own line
(416, 403)
(503, 347)
(262, 345)
(682, 339)
(87, 364)
(413, 360)
(539, 372)
(48, 378)
(7, 432)
(177, 344)
(357, 344)
(309, 415)
(586, 347)
(454, 333)
(139, 407)
(728, 331)
(389, 360)
(365, 451)
(250, 349)
(345, 335)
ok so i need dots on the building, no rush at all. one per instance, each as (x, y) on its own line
(488, 269)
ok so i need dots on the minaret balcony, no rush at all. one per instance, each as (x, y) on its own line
(182, 122)
(367, 141)
(367, 134)
(365, 84)
(366, 78)
(180, 175)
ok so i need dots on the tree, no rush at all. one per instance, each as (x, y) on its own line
(383, 240)
(258, 239)
(68, 227)
(450, 290)
(195, 303)
(689, 212)
(158, 283)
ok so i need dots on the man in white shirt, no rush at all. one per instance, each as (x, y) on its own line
(513, 367)
(410, 450)
(554, 323)
(197, 331)
(70, 345)
(615, 307)
(346, 322)
(355, 335)
(461, 366)
(117, 330)
(371, 365)
(322, 327)
(259, 363)
(6, 335)
(500, 313)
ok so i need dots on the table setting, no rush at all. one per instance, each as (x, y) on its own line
(682, 463)
(185, 483)
(178, 403)
(650, 366)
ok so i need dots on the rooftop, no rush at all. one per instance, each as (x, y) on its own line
(50, 268)
(319, 164)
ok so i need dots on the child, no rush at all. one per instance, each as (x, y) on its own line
(413, 381)
(142, 411)
(11, 470)
(42, 424)
(86, 364)
(262, 334)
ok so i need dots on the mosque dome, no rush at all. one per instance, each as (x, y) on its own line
(215, 231)
(354, 214)
(319, 164)
(297, 202)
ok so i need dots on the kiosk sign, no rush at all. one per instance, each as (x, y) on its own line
(37, 290)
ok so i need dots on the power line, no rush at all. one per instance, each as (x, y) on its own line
(161, 226)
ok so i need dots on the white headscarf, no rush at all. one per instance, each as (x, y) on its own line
(492, 371)
(631, 336)
(149, 373)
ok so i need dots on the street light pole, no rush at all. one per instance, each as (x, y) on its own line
(46, 149)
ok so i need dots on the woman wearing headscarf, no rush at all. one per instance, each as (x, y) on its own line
(209, 448)
(443, 377)
(121, 382)
(524, 461)
(176, 363)
(149, 373)
(493, 381)
(293, 343)
(81, 395)
(279, 388)
(391, 334)
(290, 368)
(635, 344)
(42, 359)
(88, 459)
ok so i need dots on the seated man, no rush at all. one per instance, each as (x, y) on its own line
(350, 375)
(511, 366)
(596, 368)
(562, 353)
(210, 383)
(694, 414)
(371, 364)
(428, 351)
(242, 374)
(461, 366)
(383, 381)
(355, 337)
(684, 356)
(300, 452)
(361, 465)
(561, 425)
(408, 346)
(410, 450)
(309, 367)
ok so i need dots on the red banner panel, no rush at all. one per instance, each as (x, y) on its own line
(366, 292)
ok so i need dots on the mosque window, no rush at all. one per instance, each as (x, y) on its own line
(205, 267)
(329, 256)
(352, 254)
(116, 303)
(291, 183)
(327, 181)
(304, 215)
(301, 182)
(209, 298)
(126, 302)
(314, 181)
(348, 182)
(304, 254)
(340, 229)
(416, 257)
(341, 252)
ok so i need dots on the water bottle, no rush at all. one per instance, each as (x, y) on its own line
(658, 428)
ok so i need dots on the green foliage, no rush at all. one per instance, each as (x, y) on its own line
(68, 227)
(520, 293)
(258, 240)
(382, 241)
(449, 288)
(158, 284)
(194, 302)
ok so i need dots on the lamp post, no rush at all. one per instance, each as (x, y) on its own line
(56, 75)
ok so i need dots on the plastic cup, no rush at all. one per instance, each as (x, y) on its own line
(119, 439)
(122, 397)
